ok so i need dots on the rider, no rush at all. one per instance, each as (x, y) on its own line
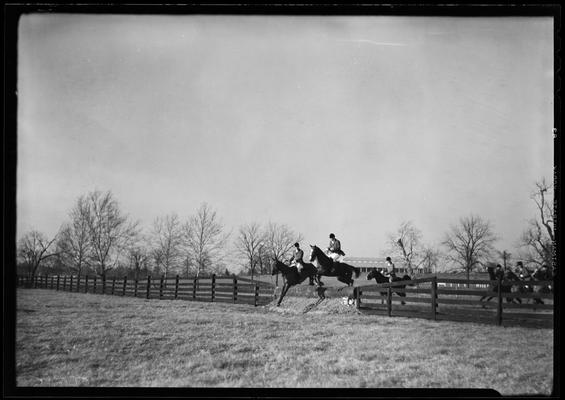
(334, 249)
(543, 274)
(296, 260)
(499, 272)
(390, 269)
(522, 271)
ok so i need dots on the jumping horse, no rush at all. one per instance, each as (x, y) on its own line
(328, 267)
(293, 277)
(380, 278)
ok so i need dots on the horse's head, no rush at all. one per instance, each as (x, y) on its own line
(377, 275)
(314, 253)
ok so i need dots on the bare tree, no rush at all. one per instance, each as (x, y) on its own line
(74, 243)
(506, 257)
(406, 243)
(431, 258)
(205, 240)
(538, 240)
(470, 242)
(279, 240)
(138, 253)
(33, 249)
(110, 231)
(249, 243)
(167, 243)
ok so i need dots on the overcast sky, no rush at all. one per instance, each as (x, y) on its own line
(327, 124)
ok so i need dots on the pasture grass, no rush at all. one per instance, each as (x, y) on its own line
(86, 340)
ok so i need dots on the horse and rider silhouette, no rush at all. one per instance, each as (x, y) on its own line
(325, 267)
(380, 278)
(505, 286)
(328, 267)
(292, 276)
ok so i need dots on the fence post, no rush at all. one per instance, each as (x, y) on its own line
(58, 277)
(52, 279)
(148, 285)
(234, 289)
(135, 288)
(499, 308)
(256, 294)
(113, 285)
(104, 283)
(86, 284)
(176, 287)
(94, 285)
(213, 285)
(433, 287)
(161, 287)
(78, 283)
(125, 283)
(194, 283)
(389, 300)
(45, 279)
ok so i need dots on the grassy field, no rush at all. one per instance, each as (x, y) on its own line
(75, 339)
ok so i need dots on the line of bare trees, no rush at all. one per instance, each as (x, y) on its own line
(469, 245)
(98, 238)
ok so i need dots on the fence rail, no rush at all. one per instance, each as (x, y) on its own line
(429, 295)
(434, 292)
(214, 289)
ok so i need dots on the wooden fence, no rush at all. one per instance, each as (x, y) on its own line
(430, 297)
(458, 297)
(214, 289)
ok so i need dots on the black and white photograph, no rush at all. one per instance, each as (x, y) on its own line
(272, 201)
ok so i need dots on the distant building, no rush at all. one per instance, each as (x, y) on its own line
(369, 263)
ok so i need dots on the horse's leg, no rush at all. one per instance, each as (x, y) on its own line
(402, 295)
(317, 280)
(283, 292)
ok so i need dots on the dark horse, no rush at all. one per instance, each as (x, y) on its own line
(380, 278)
(292, 276)
(504, 288)
(329, 267)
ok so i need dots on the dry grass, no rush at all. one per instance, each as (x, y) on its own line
(74, 339)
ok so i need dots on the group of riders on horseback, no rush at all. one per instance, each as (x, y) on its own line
(519, 280)
(330, 263)
(336, 254)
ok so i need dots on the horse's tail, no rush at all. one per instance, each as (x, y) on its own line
(357, 271)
